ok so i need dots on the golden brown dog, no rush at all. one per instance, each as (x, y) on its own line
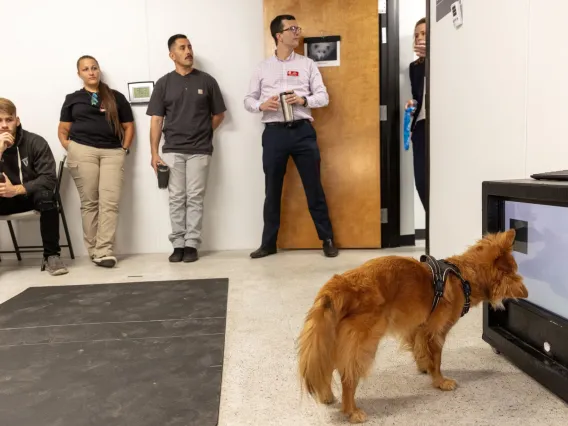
(393, 295)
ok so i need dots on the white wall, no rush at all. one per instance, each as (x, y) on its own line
(497, 107)
(547, 145)
(38, 69)
(412, 214)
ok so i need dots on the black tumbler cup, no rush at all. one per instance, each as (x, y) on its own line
(163, 176)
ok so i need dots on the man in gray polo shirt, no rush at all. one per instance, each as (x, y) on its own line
(187, 106)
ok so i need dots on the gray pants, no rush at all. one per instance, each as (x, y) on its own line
(187, 185)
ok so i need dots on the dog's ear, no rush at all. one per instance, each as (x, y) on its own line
(505, 260)
(507, 239)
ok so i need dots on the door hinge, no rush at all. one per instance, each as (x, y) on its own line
(383, 113)
(384, 215)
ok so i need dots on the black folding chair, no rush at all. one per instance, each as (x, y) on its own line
(32, 215)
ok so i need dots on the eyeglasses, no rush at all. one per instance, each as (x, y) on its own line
(296, 30)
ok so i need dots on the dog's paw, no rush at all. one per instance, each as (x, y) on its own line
(446, 384)
(358, 416)
(328, 400)
(423, 365)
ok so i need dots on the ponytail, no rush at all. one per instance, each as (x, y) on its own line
(108, 102)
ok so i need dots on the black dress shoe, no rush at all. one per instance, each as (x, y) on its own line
(177, 255)
(189, 254)
(263, 252)
(329, 249)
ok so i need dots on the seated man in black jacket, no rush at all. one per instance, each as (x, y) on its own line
(28, 180)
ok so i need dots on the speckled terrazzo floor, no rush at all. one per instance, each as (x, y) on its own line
(267, 301)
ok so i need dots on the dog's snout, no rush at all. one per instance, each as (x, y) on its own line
(525, 292)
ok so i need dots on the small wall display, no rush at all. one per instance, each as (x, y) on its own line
(324, 50)
(443, 8)
(140, 92)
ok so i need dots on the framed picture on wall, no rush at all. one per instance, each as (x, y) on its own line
(324, 51)
(140, 92)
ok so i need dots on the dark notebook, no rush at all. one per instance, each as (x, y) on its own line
(558, 175)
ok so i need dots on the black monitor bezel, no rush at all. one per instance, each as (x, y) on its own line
(515, 331)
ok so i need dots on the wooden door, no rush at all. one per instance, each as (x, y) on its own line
(348, 128)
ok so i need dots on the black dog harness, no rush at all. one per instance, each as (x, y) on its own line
(440, 270)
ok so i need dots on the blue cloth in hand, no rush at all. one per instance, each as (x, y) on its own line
(407, 124)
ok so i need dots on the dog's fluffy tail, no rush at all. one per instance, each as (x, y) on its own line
(316, 349)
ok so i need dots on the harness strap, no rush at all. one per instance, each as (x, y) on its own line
(437, 277)
(466, 287)
(440, 270)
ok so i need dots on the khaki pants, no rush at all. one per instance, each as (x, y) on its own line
(98, 174)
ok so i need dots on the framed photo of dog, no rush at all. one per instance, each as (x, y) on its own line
(325, 51)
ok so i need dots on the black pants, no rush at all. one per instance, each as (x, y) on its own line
(44, 202)
(279, 143)
(419, 152)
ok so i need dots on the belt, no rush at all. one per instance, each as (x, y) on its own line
(294, 123)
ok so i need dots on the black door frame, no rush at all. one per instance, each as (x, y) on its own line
(389, 75)
(389, 69)
(427, 139)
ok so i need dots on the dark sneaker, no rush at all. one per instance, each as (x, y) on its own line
(190, 254)
(54, 265)
(105, 261)
(177, 255)
(263, 252)
(329, 249)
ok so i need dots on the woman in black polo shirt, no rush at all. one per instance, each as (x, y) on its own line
(96, 128)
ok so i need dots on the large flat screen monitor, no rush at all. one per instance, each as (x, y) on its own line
(541, 252)
(533, 333)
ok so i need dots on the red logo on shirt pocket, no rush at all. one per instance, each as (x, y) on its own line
(293, 73)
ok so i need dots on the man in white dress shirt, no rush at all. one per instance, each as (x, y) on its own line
(287, 71)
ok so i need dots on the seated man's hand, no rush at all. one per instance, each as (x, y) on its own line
(7, 190)
(6, 141)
